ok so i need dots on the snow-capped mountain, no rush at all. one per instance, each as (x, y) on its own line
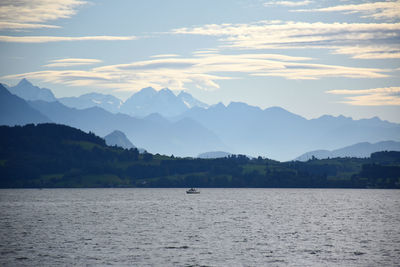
(190, 101)
(148, 101)
(107, 102)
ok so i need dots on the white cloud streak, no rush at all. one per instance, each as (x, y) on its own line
(48, 39)
(27, 14)
(70, 62)
(201, 70)
(300, 35)
(165, 55)
(20, 26)
(381, 51)
(288, 3)
(375, 10)
(387, 96)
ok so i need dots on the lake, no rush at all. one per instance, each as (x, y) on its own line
(219, 227)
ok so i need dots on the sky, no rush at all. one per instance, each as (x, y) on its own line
(337, 57)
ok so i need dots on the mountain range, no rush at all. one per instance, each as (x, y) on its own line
(162, 122)
(164, 102)
(360, 150)
(279, 134)
(107, 102)
(141, 104)
(154, 133)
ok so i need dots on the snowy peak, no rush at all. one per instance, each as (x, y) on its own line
(190, 101)
(164, 102)
(107, 102)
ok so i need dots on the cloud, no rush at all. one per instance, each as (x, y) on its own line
(202, 70)
(69, 62)
(387, 96)
(47, 39)
(19, 26)
(165, 55)
(288, 3)
(376, 10)
(18, 14)
(301, 35)
(381, 51)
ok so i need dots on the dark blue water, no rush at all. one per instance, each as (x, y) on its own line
(219, 227)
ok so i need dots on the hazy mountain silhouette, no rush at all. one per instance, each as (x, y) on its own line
(118, 138)
(360, 150)
(279, 134)
(214, 155)
(15, 111)
(148, 101)
(26, 90)
(140, 104)
(273, 132)
(154, 133)
(107, 102)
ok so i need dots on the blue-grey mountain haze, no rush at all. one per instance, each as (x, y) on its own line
(156, 136)
(118, 138)
(15, 111)
(107, 102)
(360, 150)
(162, 122)
(26, 90)
(214, 155)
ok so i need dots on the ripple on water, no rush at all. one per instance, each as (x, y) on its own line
(220, 227)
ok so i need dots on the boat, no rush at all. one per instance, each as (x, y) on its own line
(192, 191)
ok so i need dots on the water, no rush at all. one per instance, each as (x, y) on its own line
(219, 227)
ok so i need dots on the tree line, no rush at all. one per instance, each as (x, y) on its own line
(51, 155)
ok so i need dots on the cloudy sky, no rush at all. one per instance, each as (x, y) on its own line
(309, 57)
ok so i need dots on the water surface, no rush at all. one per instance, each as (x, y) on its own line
(219, 227)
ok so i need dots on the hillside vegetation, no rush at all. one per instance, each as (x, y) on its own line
(51, 155)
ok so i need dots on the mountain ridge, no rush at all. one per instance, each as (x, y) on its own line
(240, 128)
(118, 138)
(15, 111)
(159, 137)
(359, 150)
(27, 91)
(107, 102)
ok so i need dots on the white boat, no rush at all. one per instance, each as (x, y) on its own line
(192, 191)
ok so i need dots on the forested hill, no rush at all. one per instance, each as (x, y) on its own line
(51, 155)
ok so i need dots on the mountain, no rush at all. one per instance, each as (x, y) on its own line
(239, 128)
(5, 85)
(190, 101)
(279, 134)
(214, 155)
(155, 133)
(58, 156)
(15, 111)
(360, 150)
(148, 101)
(140, 104)
(118, 138)
(164, 102)
(107, 102)
(26, 90)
